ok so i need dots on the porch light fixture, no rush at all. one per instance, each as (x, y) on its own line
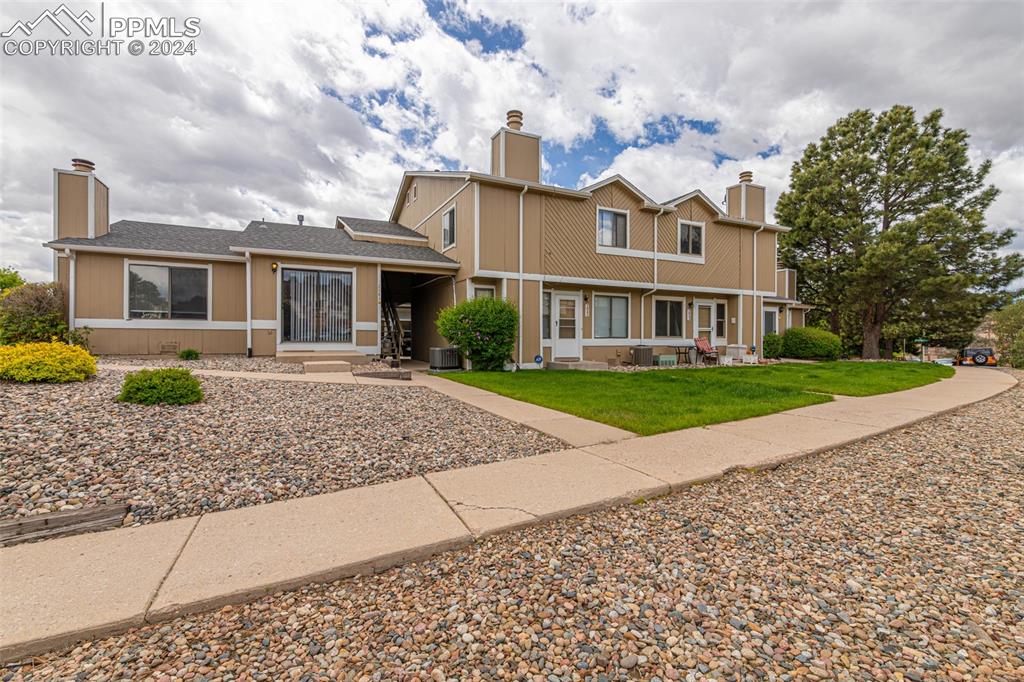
(273, 267)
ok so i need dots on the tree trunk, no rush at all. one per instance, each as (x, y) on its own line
(888, 349)
(833, 320)
(872, 328)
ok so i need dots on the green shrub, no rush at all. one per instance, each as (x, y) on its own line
(483, 329)
(9, 278)
(772, 347)
(1014, 353)
(53, 362)
(169, 386)
(33, 313)
(189, 354)
(809, 343)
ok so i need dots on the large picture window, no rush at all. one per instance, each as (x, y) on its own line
(612, 228)
(167, 292)
(611, 317)
(668, 318)
(691, 239)
(316, 306)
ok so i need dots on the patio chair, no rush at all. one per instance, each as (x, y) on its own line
(706, 353)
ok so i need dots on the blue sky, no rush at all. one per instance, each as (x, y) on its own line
(340, 98)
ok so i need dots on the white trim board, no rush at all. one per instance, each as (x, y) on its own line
(146, 252)
(623, 284)
(213, 325)
(341, 258)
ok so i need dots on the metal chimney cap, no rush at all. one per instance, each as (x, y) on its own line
(514, 119)
(746, 176)
(84, 165)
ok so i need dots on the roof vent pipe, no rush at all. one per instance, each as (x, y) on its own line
(515, 119)
(746, 176)
(301, 218)
(83, 165)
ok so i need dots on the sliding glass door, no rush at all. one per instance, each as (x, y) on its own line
(316, 306)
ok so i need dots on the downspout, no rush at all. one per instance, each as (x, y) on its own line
(654, 283)
(248, 304)
(753, 291)
(71, 287)
(519, 343)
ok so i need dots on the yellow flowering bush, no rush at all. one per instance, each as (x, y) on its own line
(54, 362)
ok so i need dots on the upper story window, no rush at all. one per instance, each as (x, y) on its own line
(448, 228)
(691, 238)
(410, 196)
(162, 292)
(612, 228)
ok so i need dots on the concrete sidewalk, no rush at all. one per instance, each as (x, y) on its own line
(60, 591)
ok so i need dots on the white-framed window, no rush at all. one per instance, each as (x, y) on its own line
(771, 320)
(612, 228)
(448, 229)
(546, 315)
(668, 317)
(159, 291)
(691, 238)
(482, 291)
(611, 316)
(720, 314)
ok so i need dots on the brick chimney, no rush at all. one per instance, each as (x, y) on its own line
(745, 200)
(81, 204)
(514, 153)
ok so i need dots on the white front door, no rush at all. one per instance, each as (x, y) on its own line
(704, 320)
(568, 325)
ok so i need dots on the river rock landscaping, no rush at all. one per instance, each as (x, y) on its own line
(65, 447)
(230, 363)
(897, 558)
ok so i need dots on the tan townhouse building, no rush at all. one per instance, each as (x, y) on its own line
(593, 271)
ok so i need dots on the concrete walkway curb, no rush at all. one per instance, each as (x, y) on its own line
(57, 592)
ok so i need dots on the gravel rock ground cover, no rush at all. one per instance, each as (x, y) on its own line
(899, 558)
(68, 446)
(231, 363)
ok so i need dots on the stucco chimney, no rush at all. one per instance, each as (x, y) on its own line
(83, 165)
(746, 176)
(515, 119)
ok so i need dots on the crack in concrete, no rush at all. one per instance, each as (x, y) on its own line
(482, 508)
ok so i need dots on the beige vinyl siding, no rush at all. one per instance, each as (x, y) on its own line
(766, 260)
(733, 201)
(152, 341)
(496, 155)
(522, 157)
(570, 237)
(72, 205)
(755, 203)
(429, 193)
(462, 250)
(101, 209)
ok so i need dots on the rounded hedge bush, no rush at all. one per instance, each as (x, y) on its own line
(772, 346)
(483, 329)
(189, 354)
(53, 362)
(810, 343)
(169, 386)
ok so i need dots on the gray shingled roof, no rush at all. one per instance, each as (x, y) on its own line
(383, 227)
(132, 234)
(284, 237)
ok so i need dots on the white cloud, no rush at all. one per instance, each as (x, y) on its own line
(243, 129)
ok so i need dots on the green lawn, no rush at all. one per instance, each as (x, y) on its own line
(666, 400)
